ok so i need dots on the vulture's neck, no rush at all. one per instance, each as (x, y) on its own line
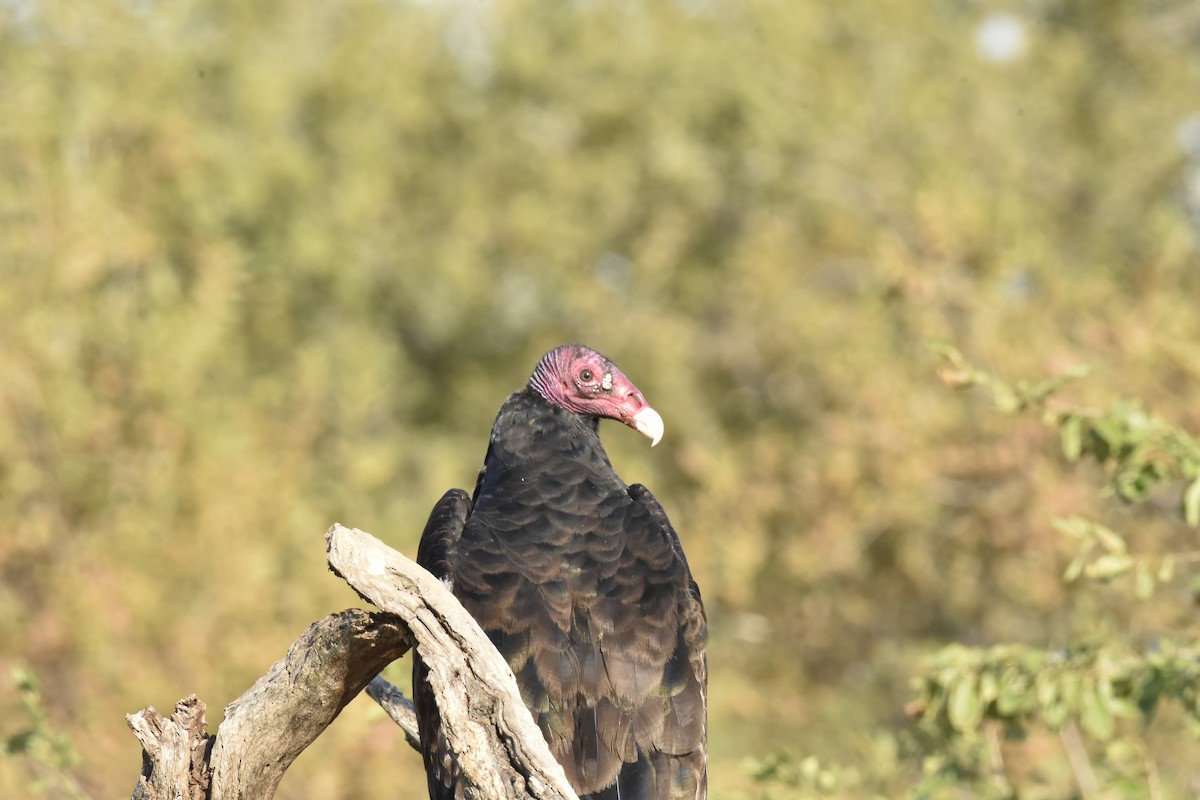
(530, 429)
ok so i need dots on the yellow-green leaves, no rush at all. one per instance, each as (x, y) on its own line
(1020, 686)
(1141, 449)
(1007, 397)
(1103, 555)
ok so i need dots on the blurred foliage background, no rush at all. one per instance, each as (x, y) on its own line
(270, 265)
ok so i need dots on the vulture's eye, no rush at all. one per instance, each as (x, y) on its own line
(586, 376)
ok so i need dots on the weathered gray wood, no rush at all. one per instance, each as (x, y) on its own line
(270, 725)
(174, 752)
(499, 751)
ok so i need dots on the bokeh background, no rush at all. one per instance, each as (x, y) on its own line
(269, 265)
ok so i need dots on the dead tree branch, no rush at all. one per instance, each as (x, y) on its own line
(499, 749)
(268, 726)
(501, 753)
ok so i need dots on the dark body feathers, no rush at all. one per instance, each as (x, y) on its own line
(581, 583)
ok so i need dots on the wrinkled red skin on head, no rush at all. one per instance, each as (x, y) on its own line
(582, 381)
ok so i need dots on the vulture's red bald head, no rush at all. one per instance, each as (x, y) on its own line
(582, 381)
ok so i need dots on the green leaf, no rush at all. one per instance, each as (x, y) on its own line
(1121, 706)
(1107, 567)
(1070, 687)
(1166, 570)
(989, 686)
(1138, 422)
(1011, 701)
(1056, 714)
(1191, 503)
(1122, 751)
(1075, 527)
(1046, 689)
(1109, 539)
(1143, 581)
(1147, 700)
(1006, 398)
(25, 680)
(20, 742)
(1108, 430)
(1094, 715)
(1071, 430)
(966, 707)
(1134, 483)
(1075, 568)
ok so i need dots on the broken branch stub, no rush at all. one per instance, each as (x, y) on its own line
(285, 710)
(268, 726)
(174, 752)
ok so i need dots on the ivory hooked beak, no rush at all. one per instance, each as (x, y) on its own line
(648, 423)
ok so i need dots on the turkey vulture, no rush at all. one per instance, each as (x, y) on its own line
(581, 583)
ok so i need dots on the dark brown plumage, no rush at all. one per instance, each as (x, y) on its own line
(581, 583)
